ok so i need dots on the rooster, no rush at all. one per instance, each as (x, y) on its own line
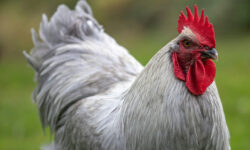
(93, 94)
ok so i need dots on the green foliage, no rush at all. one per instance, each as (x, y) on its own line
(19, 125)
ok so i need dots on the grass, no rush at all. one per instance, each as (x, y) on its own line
(20, 126)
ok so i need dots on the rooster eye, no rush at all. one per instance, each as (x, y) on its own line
(187, 44)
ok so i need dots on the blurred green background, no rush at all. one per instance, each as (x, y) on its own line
(142, 26)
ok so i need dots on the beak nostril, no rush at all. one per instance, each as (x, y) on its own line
(211, 53)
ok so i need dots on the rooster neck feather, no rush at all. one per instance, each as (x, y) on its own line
(159, 106)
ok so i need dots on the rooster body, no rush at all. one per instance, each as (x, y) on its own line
(94, 95)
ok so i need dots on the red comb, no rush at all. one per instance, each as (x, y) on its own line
(200, 26)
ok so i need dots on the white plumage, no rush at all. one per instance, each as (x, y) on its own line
(94, 95)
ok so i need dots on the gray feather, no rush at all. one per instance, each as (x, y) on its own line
(94, 95)
(75, 59)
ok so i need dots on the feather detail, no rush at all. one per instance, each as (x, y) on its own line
(75, 59)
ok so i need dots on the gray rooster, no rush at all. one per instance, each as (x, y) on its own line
(94, 95)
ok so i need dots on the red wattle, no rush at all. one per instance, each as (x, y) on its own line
(199, 75)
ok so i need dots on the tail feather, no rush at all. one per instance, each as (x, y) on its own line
(68, 26)
(73, 59)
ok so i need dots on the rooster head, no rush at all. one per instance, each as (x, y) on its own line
(193, 50)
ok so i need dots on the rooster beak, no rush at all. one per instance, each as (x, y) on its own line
(212, 54)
